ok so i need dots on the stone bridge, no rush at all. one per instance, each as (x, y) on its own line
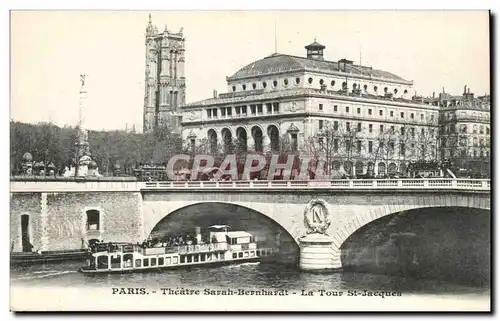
(129, 211)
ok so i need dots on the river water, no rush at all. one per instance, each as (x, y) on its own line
(245, 275)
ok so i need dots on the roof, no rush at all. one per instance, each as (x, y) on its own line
(315, 45)
(235, 98)
(238, 234)
(219, 226)
(278, 63)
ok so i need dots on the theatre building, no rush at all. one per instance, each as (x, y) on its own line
(362, 119)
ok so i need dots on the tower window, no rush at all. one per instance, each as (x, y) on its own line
(310, 80)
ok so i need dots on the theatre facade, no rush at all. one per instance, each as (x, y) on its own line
(362, 119)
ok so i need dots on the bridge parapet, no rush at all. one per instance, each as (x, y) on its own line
(377, 184)
(341, 184)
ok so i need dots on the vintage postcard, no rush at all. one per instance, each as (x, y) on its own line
(250, 161)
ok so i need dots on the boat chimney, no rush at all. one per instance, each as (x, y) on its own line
(197, 232)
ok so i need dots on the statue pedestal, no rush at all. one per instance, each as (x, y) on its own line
(316, 253)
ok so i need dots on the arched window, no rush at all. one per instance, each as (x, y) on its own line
(375, 88)
(275, 83)
(297, 80)
(386, 89)
(321, 81)
(264, 84)
(254, 85)
(234, 88)
(310, 80)
(332, 83)
(365, 87)
(244, 87)
(285, 82)
(395, 91)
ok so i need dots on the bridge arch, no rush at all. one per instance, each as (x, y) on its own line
(344, 231)
(154, 219)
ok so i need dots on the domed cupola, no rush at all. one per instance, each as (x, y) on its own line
(315, 50)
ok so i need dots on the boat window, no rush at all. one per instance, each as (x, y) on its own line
(240, 254)
(176, 260)
(183, 259)
(116, 261)
(270, 251)
(138, 263)
(235, 255)
(102, 262)
(127, 260)
(168, 261)
(258, 252)
(246, 254)
(196, 258)
(252, 253)
(161, 261)
(209, 256)
(189, 258)
(153, 262)
(145, 262)
(202, 257)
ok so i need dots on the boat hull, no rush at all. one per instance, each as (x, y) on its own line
(171, 267)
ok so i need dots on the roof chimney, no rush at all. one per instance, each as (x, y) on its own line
(215, 93)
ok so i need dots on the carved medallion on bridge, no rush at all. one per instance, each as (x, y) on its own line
(317, 216)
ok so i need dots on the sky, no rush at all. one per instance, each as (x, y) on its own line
(50, 49)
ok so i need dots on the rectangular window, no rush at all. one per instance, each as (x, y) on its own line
(370, 146)
(358, 146)
(381, 129)
(381, 145)
(370, 111)
(422, 131)
(269, 108)
(320, 124)
(402, 115)
(223, 112)
(412, 130)
(381, 112)
(348, 126)
(229, 111)
(412, 116)
(259, 109)
(321, 107)
(145, 262)
(237, 110)
(244, 110)
(209, 113)
(335, 108)
(276, 108)
(392, 113)
(359, 127)
(481, 129)
(421, 116)
(161, 261)
(253, 109)
(370, 128)
(335, 125)
(402, 131)
(391, 145)
(214, 112)
(153, 262)
(359, 110)
(347, 109)
(402, 149)
(336, 144)
(392, 129)
(432, 117)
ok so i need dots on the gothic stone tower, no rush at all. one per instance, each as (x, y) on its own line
(165, 81)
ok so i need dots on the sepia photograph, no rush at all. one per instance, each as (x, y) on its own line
(264, 161)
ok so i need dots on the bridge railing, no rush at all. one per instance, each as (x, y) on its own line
(431, 183)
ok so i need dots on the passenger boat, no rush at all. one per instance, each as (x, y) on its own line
(225, 247)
